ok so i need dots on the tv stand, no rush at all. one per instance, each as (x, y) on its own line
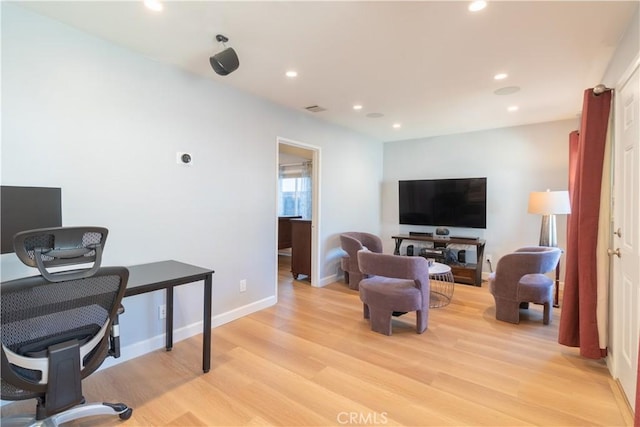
(470, 274)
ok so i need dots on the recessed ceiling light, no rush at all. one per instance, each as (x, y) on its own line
(512, 108)
(291, 73)
(154, 5)
(500, 76)
(357, 107)
(477, 5)
(397, 125)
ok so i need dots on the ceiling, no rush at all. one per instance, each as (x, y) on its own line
(428, 65)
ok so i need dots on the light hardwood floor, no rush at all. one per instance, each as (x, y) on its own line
(312, 360)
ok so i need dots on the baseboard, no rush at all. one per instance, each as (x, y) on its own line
(141, 348)
(329, 279)
(245, 310)
(622, 401)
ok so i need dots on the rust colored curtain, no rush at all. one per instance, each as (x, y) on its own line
(578, 321)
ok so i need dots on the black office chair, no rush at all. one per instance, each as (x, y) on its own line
(57, 328)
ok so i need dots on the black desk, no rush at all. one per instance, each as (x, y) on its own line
(166, 275)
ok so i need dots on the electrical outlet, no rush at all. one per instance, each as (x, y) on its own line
(162, 312)
(489, 258)
(243, 285)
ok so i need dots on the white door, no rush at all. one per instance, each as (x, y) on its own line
(626, 265)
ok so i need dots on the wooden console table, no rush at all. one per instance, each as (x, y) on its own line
(470, 274)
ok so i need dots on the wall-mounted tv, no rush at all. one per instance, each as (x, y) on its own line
(460, 202)
(27, 208)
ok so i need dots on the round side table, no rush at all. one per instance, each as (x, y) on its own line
(442, 285)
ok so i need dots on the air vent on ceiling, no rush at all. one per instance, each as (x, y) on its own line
(315, 109)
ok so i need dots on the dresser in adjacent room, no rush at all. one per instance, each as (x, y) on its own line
(300, 247)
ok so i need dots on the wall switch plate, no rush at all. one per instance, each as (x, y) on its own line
(243, 285)
(162, 312)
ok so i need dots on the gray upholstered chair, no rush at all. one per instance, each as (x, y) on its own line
(396, 285)
(351, 243)
(520, 279)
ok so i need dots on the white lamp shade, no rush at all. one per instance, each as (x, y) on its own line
(549, 202)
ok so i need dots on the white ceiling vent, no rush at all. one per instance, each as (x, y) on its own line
(315, 109)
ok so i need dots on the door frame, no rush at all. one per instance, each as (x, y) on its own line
(613, 360)
(315, 206)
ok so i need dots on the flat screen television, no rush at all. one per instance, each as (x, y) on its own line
(27, 208)
(460, 202)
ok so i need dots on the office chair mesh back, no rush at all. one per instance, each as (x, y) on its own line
(37, 313)
(39, 241)
(58, 328)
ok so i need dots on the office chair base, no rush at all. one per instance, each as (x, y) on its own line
(80, 411)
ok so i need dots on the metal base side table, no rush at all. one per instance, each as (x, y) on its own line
(441, 283)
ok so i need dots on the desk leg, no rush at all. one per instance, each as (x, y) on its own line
(206, 333)
(169, 332)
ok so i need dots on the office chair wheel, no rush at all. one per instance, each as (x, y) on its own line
(123, 411)
(126, 414)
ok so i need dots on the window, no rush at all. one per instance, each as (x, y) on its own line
(295, 190)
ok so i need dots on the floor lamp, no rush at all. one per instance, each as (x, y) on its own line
(549, 204)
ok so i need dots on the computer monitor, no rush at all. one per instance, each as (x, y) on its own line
(27, 208)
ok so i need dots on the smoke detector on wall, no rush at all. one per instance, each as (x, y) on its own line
(183, 158)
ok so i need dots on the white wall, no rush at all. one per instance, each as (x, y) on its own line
(515, 160)
(627, 51)
(104, 124)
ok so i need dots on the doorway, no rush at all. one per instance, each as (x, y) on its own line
(626, 240)
(298, 169)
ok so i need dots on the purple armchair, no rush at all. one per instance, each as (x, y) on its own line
(351, 243)
(397, 285)
(519, 279)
